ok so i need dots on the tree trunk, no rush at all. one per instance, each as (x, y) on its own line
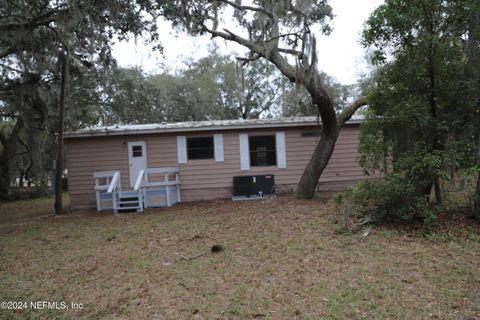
(476, 204)
(20, 180)
(318, 162)
(438, 191)
(330, 128)
(436, 137)
(331, 125)
(9, 147)
(473, 55)
(61, 120)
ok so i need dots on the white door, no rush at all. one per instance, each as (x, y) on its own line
(137, 159)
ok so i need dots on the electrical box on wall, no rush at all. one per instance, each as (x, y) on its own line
(253, 186)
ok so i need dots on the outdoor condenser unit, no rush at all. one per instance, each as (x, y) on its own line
(253, 186)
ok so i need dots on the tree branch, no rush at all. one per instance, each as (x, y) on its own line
(283, 36)
(228, 35)
(240, 7)
(304, 75)
(273, 56)
(8, 115)
(247, 60)
(348, 112)
(7, 52)
(10, 68)
(296, 53)
(41, 20)
(82, 60)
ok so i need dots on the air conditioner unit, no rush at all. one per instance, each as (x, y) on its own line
(253, 186)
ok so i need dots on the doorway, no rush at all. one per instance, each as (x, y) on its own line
(137, 159)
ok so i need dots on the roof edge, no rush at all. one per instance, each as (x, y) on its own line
(109, 132)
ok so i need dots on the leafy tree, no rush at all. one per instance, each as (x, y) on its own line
(39, 41)
(298, 102)
(25, 108)
(421, 116)
(126, 97)
(473, 73)
(216, 87)
(280, 32)
(259, 89)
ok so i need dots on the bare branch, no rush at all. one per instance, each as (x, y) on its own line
(302, 75)
(8, 115)
(283, 36)
(82, 60)
(10, 68)
(247, 60)
(296, 53)
(288, 70)
(348, 112)
(240, 7)
(228, 35)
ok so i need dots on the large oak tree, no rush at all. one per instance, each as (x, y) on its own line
(281, 32)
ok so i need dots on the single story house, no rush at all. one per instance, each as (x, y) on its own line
(206, 155)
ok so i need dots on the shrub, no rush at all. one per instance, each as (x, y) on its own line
(394, 197)
(469, 179)
(31, 192)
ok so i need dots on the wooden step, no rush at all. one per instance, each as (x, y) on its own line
(128, 201)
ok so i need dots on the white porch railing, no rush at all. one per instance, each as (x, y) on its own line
(107, 187)
(160, 186)
(138, 189)
(154, 187)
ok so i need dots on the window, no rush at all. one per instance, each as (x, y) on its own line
(262, 151)
(137, 151)
(200, 148)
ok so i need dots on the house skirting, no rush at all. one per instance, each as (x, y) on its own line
(88, 201)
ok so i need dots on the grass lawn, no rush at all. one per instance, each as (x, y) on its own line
(282, 259)
(28, 210)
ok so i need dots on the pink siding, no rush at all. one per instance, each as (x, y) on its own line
(204, 179)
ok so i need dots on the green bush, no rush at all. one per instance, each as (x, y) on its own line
(394, 197)
(469, 179)
(31, 192)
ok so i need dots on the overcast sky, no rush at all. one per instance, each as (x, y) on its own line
(340, 54)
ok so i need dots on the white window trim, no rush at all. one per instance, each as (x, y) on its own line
(281, 150)
(244, 152)
(182, 149)
(218, 147)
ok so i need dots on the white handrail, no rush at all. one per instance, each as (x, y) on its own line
(162, 184)
(138, 183)
(163, 170)
(104, 174)
(169, 183)
(114, 182)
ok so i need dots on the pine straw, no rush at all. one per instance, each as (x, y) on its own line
(282, 259)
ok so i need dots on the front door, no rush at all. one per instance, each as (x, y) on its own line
(137, 159)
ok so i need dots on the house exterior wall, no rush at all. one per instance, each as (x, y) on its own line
(206, 179)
